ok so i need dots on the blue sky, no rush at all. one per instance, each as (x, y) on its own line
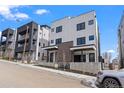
(108, 19)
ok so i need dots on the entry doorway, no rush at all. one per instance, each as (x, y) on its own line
(51, 57)
(77, 58)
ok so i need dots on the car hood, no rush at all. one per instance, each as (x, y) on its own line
(114, 72)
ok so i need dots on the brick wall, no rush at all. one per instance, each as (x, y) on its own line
(64, 53)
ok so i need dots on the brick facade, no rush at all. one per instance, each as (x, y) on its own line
(64, 53)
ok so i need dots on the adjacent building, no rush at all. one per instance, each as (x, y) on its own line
(74, 39)
(121, 42)
(8, 37)
(107, 59)
(115, 63)
(31, 37)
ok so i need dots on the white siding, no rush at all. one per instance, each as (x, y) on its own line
(69, 28)
(43, 38)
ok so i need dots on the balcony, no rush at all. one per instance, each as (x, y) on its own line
(5, 32)
(3, 42)
(10, 40)
(22, 32)
(21, 48)
(3, 47)
(22, 38)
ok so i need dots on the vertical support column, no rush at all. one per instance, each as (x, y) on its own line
(55, 56)
(96, 56)
(1, 46)
(87, 56)
(72, 56)
(7, 52)
(37, 45)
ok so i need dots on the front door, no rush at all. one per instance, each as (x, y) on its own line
(51, 57)
(77, 58)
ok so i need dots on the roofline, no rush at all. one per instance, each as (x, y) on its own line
(73, 16)
(7, 29)
(27, 24)
(45, 26)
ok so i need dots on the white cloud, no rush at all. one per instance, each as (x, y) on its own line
(7, 13)
(21, 15)
(41, 11)
(111, 51)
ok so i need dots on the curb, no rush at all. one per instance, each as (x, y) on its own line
(89, 83)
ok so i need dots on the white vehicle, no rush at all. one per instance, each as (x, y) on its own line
(110, 79)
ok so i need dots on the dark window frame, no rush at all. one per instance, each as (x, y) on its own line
(90, 22)
(81, 40)
(58, 29)
(38, 54)
(91, 37)
(58, 41)
(81, 26)
(51, 41)
(90, 57)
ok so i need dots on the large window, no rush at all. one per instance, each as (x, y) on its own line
(58, 29)
(91, 37)
(58, 41)
(35, 30)
(81, 41)
(51, 57)
(91, 22)
(52, 41)
(81, 26)
(38, 54)
(91, 57)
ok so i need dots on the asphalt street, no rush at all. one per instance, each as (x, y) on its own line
(17, 76)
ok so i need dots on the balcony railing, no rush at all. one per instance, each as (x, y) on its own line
(23, 37)
(21, 48)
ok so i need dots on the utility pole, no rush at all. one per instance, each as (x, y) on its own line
(25, 43)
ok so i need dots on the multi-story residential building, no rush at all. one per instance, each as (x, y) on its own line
(31, 37)
(74, 39)
(121, 42)
(8, 38)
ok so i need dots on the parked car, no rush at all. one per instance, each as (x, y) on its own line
(110, 79)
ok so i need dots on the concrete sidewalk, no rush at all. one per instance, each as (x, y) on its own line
(85, 79)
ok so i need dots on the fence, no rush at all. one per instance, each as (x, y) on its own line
(89, 67)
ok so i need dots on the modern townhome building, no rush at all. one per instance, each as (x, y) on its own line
(8, 37)
(74, 39)
(121, 42)
(31, 37)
